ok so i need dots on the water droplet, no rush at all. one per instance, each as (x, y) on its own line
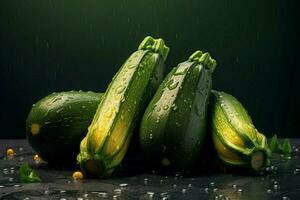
(17, 186)
(285, 198)
(296, 171)
(212, 184)
(86, 195)
(165, 107)
(150, 136)
(124, 186)
(117, 192)
(102, 195)
(276, 187)
(157, 120)
(189, 185)
(131, 66)
(240, 190)
(33, 105)
(120, 89)
(146, 181)
(165, 195)
(174, 107)
(215, 190)
(150, 194)
(234, 186)
(269, 190)
(172, 85)
(108, 113)
(58, 111)
(206, 190)
(183, 191)
(161, 181)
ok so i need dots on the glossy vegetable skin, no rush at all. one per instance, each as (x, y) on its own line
(118, 114)
(173, 128)
(236, 140)
(58, 122)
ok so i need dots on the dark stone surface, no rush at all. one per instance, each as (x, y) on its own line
(280, 181)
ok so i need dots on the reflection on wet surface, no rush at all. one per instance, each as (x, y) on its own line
(281, 180)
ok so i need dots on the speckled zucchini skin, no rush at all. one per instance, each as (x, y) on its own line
(173, 128)
(58, 122)
(124, 102)
(236, 140)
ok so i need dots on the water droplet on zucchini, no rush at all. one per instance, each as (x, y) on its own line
(172, 85)
(166, 107)
(120, 89)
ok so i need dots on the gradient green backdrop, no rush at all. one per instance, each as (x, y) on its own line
(57, 45)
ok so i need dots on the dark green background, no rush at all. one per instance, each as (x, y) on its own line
(56, 45)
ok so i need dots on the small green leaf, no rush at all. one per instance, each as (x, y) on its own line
(274, 146)
(286, 147)
(27, 175)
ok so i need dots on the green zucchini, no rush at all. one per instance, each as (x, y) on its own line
(58, 122)
(236, 140)
(173, 128)
(118, 114)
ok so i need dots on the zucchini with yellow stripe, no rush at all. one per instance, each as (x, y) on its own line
(236, 140)
(122, 105)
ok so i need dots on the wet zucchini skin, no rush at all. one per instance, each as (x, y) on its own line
(58, 122)
(236, 140)
(118, 114)
(173, 128)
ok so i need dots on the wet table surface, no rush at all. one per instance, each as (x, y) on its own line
(280, 181)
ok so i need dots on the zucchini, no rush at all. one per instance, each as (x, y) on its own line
(173, 128)
(237, 142)
(118, 114)
(58, 122)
